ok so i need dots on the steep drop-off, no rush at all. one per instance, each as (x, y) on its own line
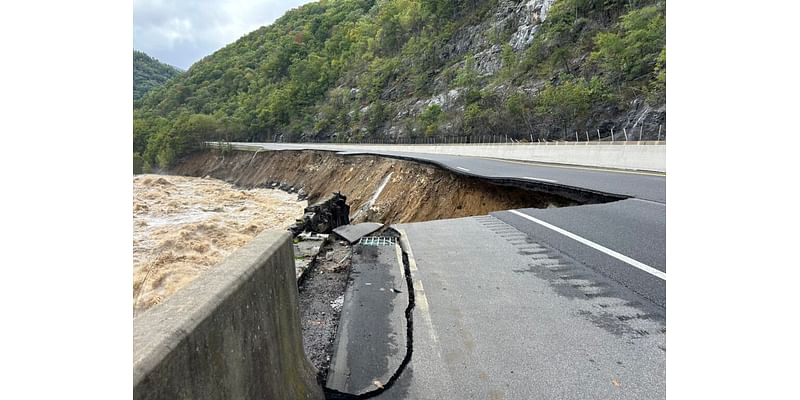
(378, 189)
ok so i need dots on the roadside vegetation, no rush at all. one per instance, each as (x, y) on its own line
(345, 71)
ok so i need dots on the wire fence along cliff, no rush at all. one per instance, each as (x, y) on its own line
(636, 136)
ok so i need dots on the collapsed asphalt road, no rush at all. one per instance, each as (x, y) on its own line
(522, 303)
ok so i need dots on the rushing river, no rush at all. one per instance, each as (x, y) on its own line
(183, 226)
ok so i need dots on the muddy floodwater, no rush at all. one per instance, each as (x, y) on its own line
(183, 226)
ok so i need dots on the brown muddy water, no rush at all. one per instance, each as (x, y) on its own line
(186, 225)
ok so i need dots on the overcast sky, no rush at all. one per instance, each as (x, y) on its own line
(181, 32)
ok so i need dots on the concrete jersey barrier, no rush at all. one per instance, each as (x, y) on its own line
(233, 333)
(636, 156)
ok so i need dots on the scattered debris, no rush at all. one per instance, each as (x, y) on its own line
(321, 291)
(305, 252)
(324, 216)
(337, 304)
(312, 236)
(353, 233)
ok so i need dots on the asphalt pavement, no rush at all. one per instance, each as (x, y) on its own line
(633, 228)
(646, 186)
(564, 303)
(500, 316)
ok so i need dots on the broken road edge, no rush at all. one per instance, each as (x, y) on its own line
(408, 260)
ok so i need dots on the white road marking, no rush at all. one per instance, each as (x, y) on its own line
(463, 169)
(420, 300)
(648, 201)
(540, 179)
(642, 266)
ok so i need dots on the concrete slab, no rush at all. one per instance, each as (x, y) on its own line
(371, 340)
(352, 233)
(304, 253)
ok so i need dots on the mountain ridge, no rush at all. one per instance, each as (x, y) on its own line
(149, 73)
(391, 70)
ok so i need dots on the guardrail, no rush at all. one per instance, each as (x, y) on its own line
(636, 156)
(551, 143)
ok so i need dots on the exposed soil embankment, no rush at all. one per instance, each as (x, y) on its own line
(378, 189)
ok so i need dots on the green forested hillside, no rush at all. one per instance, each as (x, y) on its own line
(399, 70)
(149, 73)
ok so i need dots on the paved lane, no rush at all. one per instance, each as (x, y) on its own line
(645, 186)
(634, 228)
(501, 316)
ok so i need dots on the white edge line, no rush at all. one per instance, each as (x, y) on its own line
(421, 301)
(648, 201)
(642, 266)
(463, 169)
(539, 179)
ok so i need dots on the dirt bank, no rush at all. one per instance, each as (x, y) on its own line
(185, 225)
(410, 192)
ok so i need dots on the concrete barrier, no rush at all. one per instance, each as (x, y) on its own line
(233, 333)
(639, 156)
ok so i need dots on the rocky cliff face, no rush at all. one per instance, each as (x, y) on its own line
(514, 23)
(523, 18)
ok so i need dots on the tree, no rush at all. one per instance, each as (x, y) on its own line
(568, 104)
(658, 87)
(430, 119)
(631, 53)
(519, 111)
(509, 59)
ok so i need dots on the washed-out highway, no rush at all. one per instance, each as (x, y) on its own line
(522, 303)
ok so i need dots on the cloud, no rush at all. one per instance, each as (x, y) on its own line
(181, 32)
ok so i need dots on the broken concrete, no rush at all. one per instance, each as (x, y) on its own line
(305, 252)
(324, 216)
(352, 233)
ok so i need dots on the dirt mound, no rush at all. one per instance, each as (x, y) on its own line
(185, 225)
(409, 191)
